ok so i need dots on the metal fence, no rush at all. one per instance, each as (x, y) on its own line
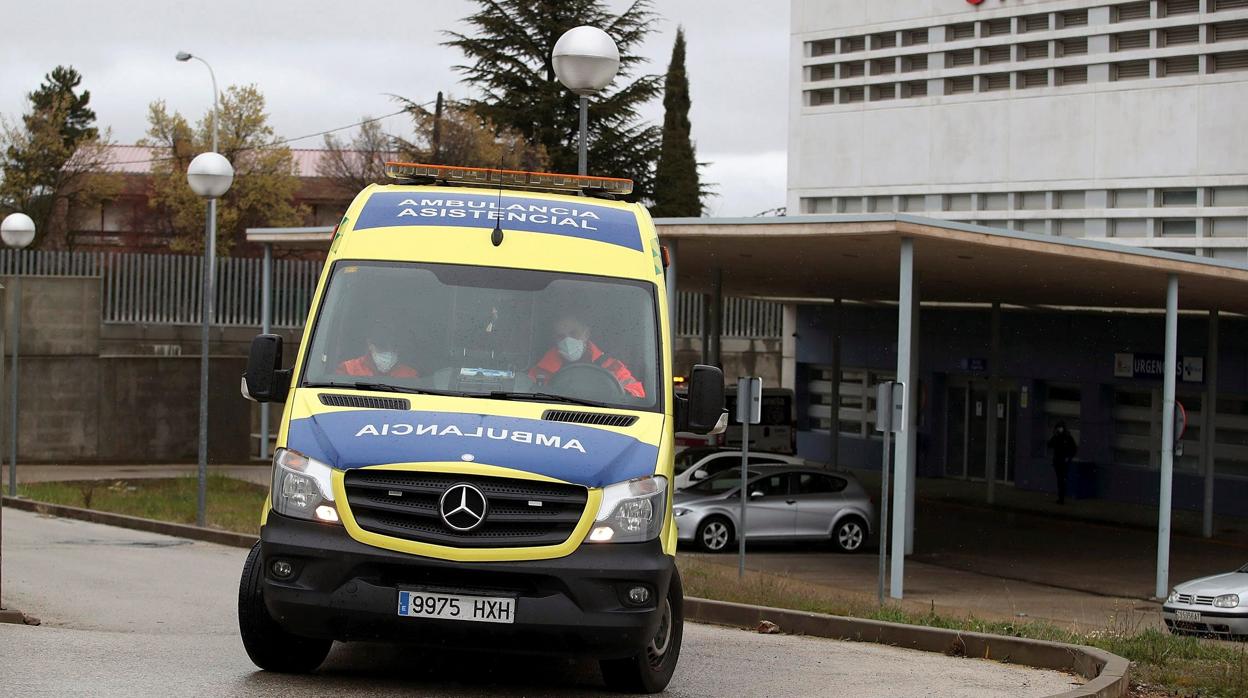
(165, 289)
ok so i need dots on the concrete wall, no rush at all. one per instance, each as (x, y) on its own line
(80, 402)
(1038, 348)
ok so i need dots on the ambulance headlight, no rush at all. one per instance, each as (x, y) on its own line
(631, 512)
(302, 487)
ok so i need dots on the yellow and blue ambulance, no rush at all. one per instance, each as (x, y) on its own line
(477, 441)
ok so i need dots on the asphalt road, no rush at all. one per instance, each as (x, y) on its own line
(135, 614)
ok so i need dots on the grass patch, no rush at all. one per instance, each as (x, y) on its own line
(233, 505)
(1181, 666)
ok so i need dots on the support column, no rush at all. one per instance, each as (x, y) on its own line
(716, 317)
(266, 324)
(1209, 427)
(788, 346)
(904, 459)
(912, 418)
(1167, 437)
(673, 314)
(835, 435)
(994, 400)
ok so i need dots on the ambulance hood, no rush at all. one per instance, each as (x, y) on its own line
(574, 453)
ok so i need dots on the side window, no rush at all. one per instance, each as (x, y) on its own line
(718, 465)
(813, 483)
(772, 485)
(762, 460)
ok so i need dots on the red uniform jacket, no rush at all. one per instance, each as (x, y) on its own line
(553, 361)
(364, 366)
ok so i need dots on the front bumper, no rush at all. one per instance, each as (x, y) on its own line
(1212, 621)
(574, 605)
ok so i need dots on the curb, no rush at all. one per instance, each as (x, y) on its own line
(1107, 674)
(210, 535)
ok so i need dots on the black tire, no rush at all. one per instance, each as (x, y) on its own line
(270, 647)
(715, 534)
(850, 534)
(652, 669)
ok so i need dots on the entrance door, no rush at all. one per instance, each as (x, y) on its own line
(967, 436)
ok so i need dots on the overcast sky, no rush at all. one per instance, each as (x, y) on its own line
(323, 64)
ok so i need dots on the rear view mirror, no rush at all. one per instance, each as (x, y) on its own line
(265, 380)
(701, 411)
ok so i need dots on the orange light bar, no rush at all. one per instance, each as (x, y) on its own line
(516, 179)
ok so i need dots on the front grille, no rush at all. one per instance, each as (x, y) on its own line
(521, 513)
(1194, 600)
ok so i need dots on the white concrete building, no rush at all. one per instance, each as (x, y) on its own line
(1081, 118)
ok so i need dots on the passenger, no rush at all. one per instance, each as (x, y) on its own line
(382, 357)
(1064, 448)
(572, 345)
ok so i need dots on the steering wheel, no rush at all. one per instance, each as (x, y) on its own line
(589, 381)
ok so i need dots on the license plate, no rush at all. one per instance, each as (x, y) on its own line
(484, 609)
(1188, 615)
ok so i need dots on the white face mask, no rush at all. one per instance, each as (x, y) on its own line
(571, 348)
(385, 360)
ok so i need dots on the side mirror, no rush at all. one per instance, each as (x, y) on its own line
(702, 410)
(265, 380)
(757, 495)
(699, 474)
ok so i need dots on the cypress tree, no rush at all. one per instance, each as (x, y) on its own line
(677, 191)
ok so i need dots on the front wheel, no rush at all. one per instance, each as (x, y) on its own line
(651, 670)
(270, 647)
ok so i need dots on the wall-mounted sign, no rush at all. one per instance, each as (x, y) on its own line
(973, 363)
(1191, 369)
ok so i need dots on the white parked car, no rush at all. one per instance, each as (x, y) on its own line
(699, 463)
(1216, 605)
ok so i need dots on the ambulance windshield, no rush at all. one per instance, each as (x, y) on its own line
(506, 333)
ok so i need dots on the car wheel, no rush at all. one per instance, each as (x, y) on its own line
(714, 534)
(651, 669)
(270, 647)
(849, 535)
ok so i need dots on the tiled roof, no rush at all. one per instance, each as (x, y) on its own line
(138, 159)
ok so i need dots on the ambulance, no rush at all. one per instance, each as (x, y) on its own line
(476, 444)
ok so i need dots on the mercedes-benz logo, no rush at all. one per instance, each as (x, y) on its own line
(463, 507)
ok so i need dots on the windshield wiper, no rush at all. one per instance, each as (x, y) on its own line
(382, 388)
(549, 397)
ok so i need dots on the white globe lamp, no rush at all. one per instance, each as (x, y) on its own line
(210, 175)
(17, 231)
(586, 60)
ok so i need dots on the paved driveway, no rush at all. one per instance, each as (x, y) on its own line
(132, 613)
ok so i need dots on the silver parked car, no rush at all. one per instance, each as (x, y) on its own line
(786, 503)
(1216, 605)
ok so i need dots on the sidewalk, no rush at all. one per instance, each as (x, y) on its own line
(949, 591)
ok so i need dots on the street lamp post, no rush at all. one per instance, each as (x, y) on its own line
(183, 57)
(210, 176)
(586, 60)
(17, 231)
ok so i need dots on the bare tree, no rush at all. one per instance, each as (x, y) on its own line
(353, 165)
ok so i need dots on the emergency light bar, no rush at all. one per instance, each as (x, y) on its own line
(516, 179)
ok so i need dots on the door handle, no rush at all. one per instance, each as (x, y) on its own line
(790, 501)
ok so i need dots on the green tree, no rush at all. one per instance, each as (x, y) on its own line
(265, 181)
(55, 162)
(508, 62)
(677, 191)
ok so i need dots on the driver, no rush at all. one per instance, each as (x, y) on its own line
(382, 357)
(572, 346)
